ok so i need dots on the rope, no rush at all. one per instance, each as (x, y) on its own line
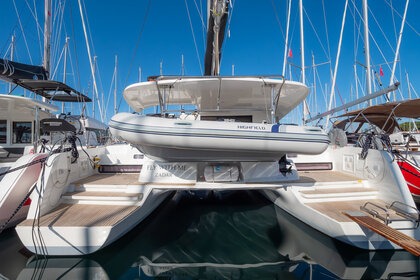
(3, 226)
(366, 142)
(23, 166)
(74, 153)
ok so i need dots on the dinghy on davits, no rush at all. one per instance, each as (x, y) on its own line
(236, 119)
(192, 140)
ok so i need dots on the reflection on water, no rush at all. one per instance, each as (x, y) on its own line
(236, 235)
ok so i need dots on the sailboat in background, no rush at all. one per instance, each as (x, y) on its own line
(28, 126)
(355, 194)
(379, 125)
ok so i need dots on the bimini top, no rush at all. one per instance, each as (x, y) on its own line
(53, 90)
(400, 109)
(383, 115)
(210, 93)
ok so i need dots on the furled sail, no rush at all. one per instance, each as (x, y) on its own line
(12, 71)
(215, 34)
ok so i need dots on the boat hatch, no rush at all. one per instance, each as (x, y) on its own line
(221, 173)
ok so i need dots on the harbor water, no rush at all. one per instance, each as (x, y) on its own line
(224, 235)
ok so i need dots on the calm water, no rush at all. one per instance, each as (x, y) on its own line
(237, 235)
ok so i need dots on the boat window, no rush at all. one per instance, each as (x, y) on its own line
(22, 132)
(3, 131)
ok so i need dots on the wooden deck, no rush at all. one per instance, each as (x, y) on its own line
(335, 209)
(399, 238)
(110, 179)
(81, 215)
(354, 190)
(325, 176)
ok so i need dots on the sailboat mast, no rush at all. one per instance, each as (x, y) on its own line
(367, 50)
(336, 63)
(95, 87)
(217, 17)
(47, 35)
(397, 51)
(302, 57)
(302, 45)
(65, 68)
(115, 87)
(286, 44)
(12, 54)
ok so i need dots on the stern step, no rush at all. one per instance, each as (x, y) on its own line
(404, 241)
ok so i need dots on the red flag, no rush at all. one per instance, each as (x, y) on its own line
(290, 53)
(381, 71)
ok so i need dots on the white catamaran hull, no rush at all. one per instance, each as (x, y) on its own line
(79, 208)
(81, 240)
(193, 140)
(322, 199)
(15, 187)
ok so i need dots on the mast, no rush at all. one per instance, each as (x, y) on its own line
(65, 67)
(302, 57)
(302, 45)
(286, 43)
(12, 54)
(47, 36)
(367, 50)
(94, 92)
(95, 86)
(397, 51)
(217, 18)
(115, 88)
(314, 74)
(336, 63)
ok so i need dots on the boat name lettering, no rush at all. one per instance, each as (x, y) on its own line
(176, 167)
(163, 174)
(252, 127)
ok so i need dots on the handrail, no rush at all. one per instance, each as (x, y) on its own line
(375, 213)
(413, 216)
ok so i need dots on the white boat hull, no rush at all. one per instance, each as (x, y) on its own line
(192, 140)
(71, 240)
(322, 203)
(15, 187)
(77, 210)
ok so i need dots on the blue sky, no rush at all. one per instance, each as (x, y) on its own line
(147, 34)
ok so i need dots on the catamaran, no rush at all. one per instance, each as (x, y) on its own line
(337, 189)
(31, 130)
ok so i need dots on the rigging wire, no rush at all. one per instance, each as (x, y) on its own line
(278, 19)
(38, 26)
(23, 33)
(195, 41)
(316, 34)
(397, 13)
(136, 48)
(326, 33)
